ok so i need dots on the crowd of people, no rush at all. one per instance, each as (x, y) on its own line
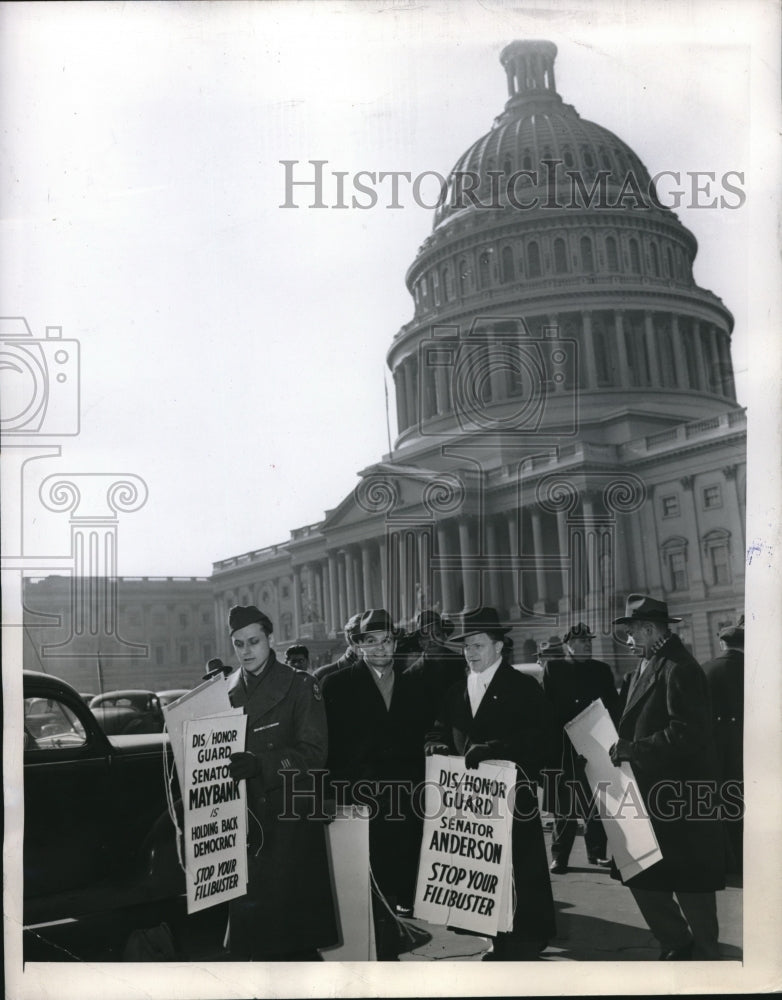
(369, 719)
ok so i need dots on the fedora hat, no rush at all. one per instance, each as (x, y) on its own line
(642, 608)
(481, 620)
(733, 633)
(551, 647)
(374, 620)
(579, 631)
(427, 620)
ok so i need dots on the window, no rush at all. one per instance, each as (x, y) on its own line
(183, 621)
(464, 276)
(716, 548)
(674, 552)
(670, 505)
(285, 591)
(712, 497)
(50, 725)
(507, 265)
(655, 258)
(446, 283)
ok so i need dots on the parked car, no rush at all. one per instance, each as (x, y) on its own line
(166, 697)
(121, 712)
(98, 839)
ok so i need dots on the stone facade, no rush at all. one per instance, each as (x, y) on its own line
(153, 633)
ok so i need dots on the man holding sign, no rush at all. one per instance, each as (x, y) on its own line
(288, 911)
(497, 713)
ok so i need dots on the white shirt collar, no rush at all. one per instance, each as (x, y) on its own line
(484, 677)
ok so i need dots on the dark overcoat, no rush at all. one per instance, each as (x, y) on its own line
(437, 670)
(514, 712)
(667, 719)
(369, 743)
(570, 686)
(289, 905)
(725, 677)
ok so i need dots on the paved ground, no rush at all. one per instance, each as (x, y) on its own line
(597, 920)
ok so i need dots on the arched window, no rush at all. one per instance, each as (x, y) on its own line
(533, 260)
(654, 256)
(526, 163)
(560, 256)
(605, 159)
(507, 166)
(567, 156)
(635, 256)
(716, 549)
(587, 258)
(611, 255)
(507, 268)
(484, 269)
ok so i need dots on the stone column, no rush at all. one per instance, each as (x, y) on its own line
(350, 582)
(621, 350)
(694, 561)
(564, 552)
(342, 590)
(732, 502)
(540, 573)
(401, 401)
(699, 358)
(441, 377)
(655, 378)
(590, 362)
(384, 587)
(512, 520)
(296, 602)
(366, 570)
(335, 621)
(498, 375)
(468, 575)
(494, 596)
(409, 392)
(446, 574)
(680, 358)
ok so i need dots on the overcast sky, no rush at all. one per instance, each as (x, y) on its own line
(233, 351)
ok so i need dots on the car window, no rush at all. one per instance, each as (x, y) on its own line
(51, 725)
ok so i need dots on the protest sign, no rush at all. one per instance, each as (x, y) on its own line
(465, 871)
(631, 837)
(348, 846)
(208, 699)
(215, 813)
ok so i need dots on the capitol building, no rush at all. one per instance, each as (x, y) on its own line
(567, 424)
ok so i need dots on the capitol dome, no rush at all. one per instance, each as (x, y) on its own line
(549, 228)
(539, 135)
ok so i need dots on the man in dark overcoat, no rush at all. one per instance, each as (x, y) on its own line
(725, 676)
(571, 684)
(438, 665)
(288, 911)
(665, 734)
(497, 713)
(376, 725)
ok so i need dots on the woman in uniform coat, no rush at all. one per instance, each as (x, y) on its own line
(288, 911)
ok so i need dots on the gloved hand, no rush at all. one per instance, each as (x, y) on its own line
(243, 765)
(432, 748)
(621, 750)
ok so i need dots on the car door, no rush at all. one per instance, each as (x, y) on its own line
(67, 798)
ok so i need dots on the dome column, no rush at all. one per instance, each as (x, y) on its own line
(703, 375)
(589, 351)
(655, 379)
(682, 374)
(621, 349)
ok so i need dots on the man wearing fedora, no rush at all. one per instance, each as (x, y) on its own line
(664, 732)
(571, 683)
(348, 658)
(498, 713)
(438, 666)
(376, 726)
(725, 675)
